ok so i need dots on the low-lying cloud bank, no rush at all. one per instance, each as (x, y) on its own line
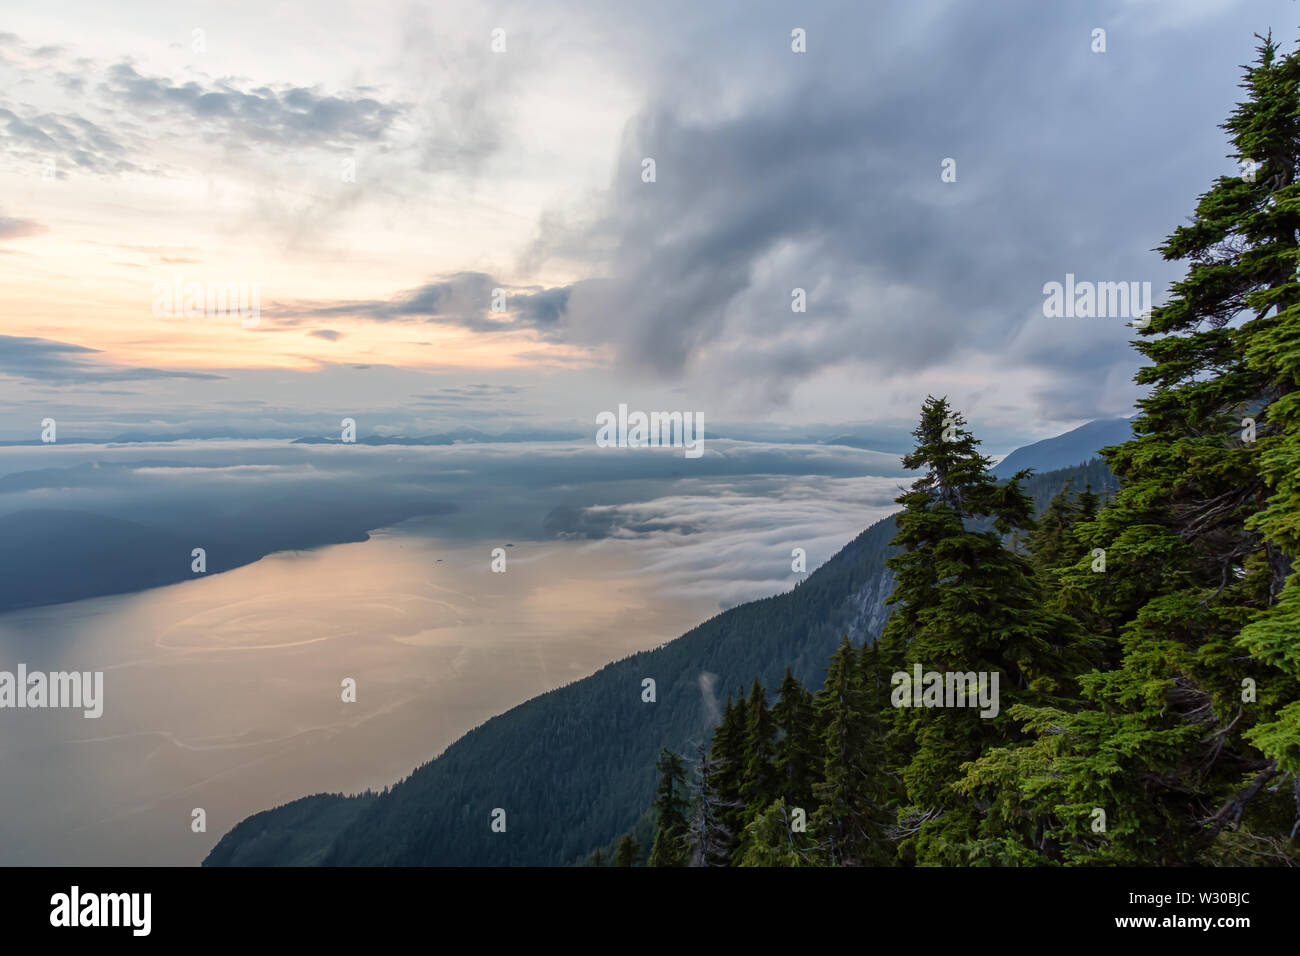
(106, 518)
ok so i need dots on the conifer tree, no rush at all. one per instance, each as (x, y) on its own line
(1185, 759)
(771, 840)
(727, 755)
(759, 786)
(850, 825)
(797, 746)
(965, 604)
(669, 847)
(1050, 543)
(1266, 133)
(708, 840)
(886, 789)
(1088, 504)
(629, 851)
(1056, 545)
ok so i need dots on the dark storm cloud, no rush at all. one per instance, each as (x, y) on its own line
(831, 183)
(823, 173)
(46, 362)
(542, 309)
(463, 300)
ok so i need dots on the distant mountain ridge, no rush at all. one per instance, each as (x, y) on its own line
(452, 437)
(1065, 451)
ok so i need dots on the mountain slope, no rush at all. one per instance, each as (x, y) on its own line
(573, 768)
(1067, 450)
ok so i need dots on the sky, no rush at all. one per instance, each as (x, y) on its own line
(377, 176)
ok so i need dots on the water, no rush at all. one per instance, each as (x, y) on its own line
(224, 693)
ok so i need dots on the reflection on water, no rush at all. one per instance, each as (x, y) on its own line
(225, 693)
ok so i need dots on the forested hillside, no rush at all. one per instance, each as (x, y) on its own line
(574, 768)
(1105, 682)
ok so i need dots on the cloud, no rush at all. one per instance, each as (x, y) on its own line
(775, 171)
(138, 109)
(463, 94)
(19, 228)
(720, 528)
(732, 540)
(826, 178)
(46, 362)
(466, 396)
(707, 681)
(463, 300)
(284, 116)
(67, 138)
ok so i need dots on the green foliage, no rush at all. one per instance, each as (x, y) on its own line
(759, 784)
(854, 792)
(797, 753)
(670, 844)
(709, 841)
(967, 603)
(1185, 731)
(770, 840)
(727, 753)
(629, 851)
